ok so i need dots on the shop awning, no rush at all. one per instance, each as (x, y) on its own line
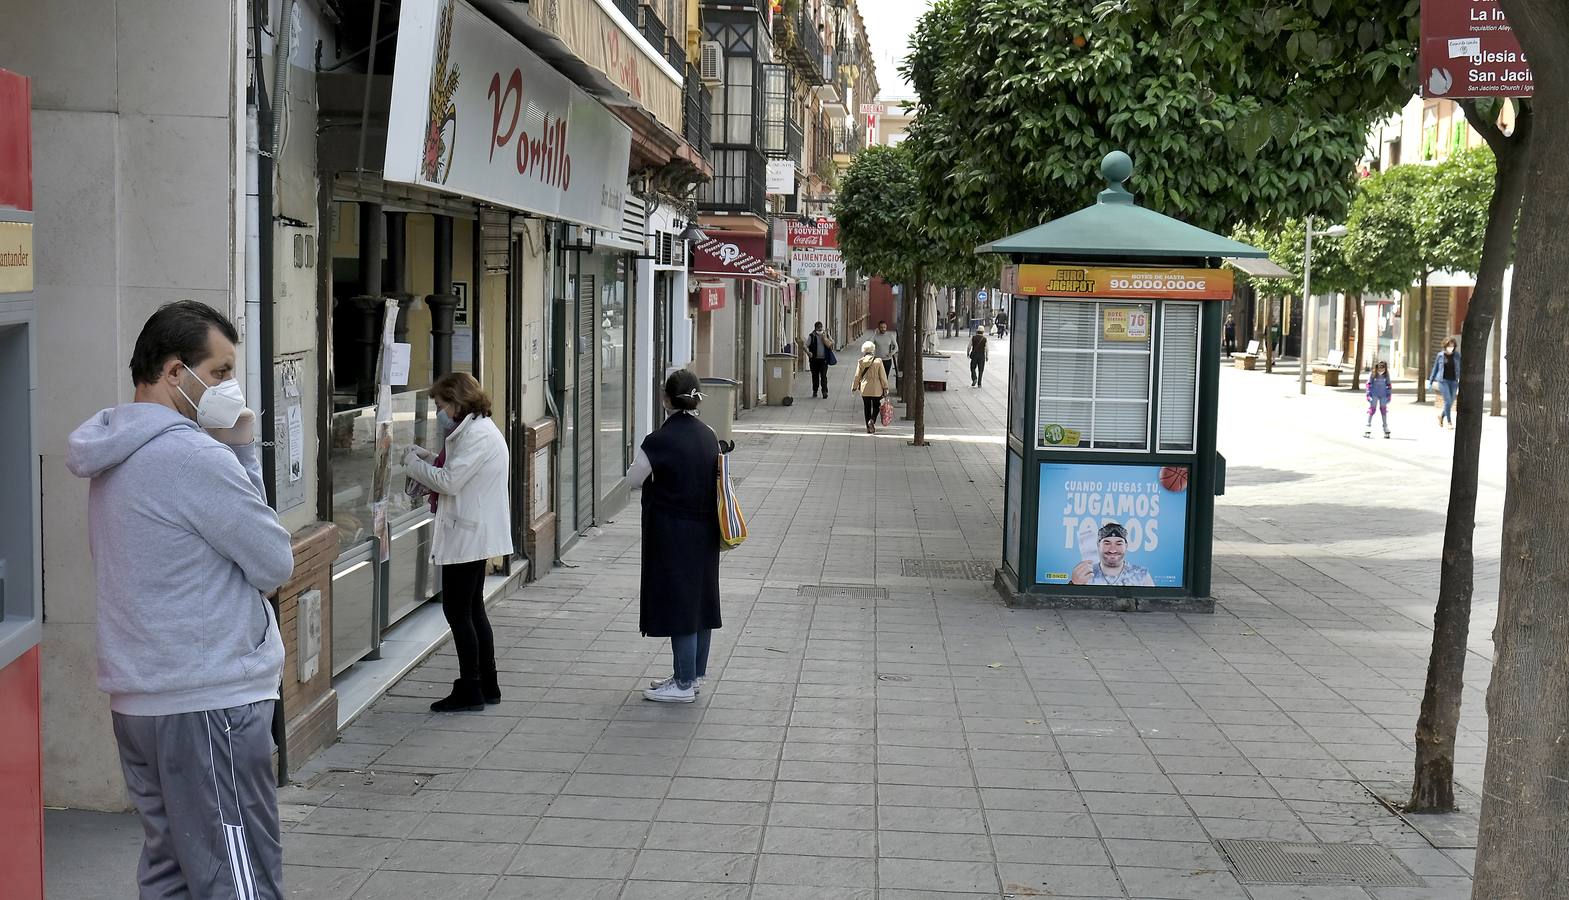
(1258, 268)
(728, 254)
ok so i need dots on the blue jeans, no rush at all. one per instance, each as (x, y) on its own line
(1449, 389)
(691, 656)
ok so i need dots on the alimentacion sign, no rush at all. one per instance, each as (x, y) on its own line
(1469, 51)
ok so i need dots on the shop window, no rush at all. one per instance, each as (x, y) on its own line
(1095, 374)
(1179, 366)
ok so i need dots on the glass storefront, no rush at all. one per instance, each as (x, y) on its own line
(614, 408)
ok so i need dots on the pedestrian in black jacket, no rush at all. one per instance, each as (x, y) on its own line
(678, 468)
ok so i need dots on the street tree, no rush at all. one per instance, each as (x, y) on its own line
(1236, 111)
(1287, 243)
(1387, 240)
(1455, 213)
(1523, 848)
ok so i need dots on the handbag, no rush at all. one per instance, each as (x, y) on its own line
(732, 522)
(828, 355)
(885, 412)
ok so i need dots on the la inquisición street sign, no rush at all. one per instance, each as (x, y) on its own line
(1469, 51)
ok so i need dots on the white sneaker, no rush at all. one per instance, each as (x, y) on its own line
(670, 693)
(696, 685)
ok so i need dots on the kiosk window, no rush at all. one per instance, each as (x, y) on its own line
(1094, 375)
(1179, 366)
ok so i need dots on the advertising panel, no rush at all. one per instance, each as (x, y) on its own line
(710, 297)
(475, 113)
(780, 177)
(730, 254)
(1469, 50)
(816, 233)
(816, 264)
(1139, 284)
(1112, 525)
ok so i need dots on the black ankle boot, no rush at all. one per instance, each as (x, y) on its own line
(490, 688)
(465, 697)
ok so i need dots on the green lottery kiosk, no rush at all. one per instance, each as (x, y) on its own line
(1112, 469)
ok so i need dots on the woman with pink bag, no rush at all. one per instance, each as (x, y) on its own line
(871, 381)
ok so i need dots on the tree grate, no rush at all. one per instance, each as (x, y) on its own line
(1280, 862)
(948, 569)
(843, 592)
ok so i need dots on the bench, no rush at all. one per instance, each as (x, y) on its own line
(1329, 375)
(1247, 359)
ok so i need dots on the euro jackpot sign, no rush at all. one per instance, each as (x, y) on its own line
(1118, 283)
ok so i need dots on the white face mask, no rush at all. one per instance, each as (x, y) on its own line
(220, 406)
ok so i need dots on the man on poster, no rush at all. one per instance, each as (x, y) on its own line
(1113, 567)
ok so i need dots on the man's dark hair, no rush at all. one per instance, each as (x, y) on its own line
(816, 325)
(882, 321)
(179, 330)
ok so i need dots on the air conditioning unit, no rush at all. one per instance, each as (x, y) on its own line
(711, 62)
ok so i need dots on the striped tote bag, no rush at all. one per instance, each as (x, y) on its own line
(732, 522)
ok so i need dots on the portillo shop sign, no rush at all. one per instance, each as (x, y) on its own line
(1129, 283)
(475, 113)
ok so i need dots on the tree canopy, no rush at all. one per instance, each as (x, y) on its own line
(1387, 239)
(1233, 111)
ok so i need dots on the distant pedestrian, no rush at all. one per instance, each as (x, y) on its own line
(952, 322)
(1002, 323)
(871, 382)
(1380, 390)
(186, 550)
(1445, 376)
(978, 356)
(1231, 335)
(819, 349)
(473, 524)
(678, 467)
(887, 346)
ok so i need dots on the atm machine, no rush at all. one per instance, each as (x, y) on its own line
(21, 615)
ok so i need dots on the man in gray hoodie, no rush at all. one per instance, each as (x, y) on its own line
(186, 549)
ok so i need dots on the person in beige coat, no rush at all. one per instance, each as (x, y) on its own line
(871, 381)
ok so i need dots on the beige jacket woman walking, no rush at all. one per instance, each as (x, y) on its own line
(871, 381)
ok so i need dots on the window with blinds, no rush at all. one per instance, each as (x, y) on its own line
(1095, 368)
(1179, 366)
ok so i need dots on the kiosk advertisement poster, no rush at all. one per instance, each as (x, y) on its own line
(1112, 525)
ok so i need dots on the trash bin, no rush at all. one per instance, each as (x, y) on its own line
(718, 407)
(778, 375)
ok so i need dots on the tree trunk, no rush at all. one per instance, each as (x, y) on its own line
(1523, 848)
(906, 341)
(1423, 360)
(1497, 389)
(1354, 302)
(917, 401)
(1432, 789)
(1269, 334)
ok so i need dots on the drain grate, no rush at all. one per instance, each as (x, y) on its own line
(948, 569)
(1278, 862)
(843, 592)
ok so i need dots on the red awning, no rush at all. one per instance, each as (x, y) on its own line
(730, 255)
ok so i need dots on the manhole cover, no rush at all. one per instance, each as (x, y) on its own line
(893, 678)
(399, 783)
(948, 569)
(843, 591)
(1277, 862)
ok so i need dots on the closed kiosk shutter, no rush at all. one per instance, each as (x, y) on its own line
(1179, 367)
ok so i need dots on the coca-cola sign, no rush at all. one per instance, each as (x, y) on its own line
(816, 233)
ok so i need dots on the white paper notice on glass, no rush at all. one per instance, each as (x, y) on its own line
(296, 442)
(398, 364)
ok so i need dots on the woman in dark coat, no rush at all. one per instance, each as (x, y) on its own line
(678, 468)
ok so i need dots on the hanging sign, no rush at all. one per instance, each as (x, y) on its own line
(730, 254)
(817, 233)
(781, 176)
(1090, 283)
(1469, 51)
(710, 297)
(817, 263)
(475, 113)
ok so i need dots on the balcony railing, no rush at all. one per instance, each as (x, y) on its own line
(794, 140)
(698, 106)
(653, 27)
(849, 141)
(629, 9)
(739, 183)
(797, 35)
(675, 52)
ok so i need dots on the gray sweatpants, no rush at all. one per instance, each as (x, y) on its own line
(204, 787)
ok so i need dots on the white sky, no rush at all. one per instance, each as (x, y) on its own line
(888, 27)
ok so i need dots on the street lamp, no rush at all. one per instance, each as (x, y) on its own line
(1307, 297)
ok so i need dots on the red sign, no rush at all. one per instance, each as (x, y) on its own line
(731, 255)
(1469, 50)
(710, 297)
(817, 233)
(16, 142)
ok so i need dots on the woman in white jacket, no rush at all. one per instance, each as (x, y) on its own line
(473, 524)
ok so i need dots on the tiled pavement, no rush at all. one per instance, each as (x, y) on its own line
(934, 743)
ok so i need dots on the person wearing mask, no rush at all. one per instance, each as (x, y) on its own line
(978, 356)
(186, 551)
(1445, 376)
(887, 343)
(871, 382)
(819, 349)
(473, 524)
(677, 468)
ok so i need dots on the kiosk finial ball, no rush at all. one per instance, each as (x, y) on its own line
(1117, 167)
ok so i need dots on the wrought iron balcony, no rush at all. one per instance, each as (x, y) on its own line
(629, 9)
(796, 34)
(653, 27)
(697, 107)
(739, 183)
(675, 52)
